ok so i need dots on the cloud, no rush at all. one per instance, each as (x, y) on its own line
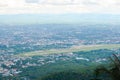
(59, 6)
(31, 1)
(90, 3)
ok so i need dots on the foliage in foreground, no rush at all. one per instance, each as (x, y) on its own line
(113, 72)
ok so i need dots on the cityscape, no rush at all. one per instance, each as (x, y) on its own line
(15, 41)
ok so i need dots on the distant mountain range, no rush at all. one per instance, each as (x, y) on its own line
(59, 19)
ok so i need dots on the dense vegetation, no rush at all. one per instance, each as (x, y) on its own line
(66, 75)
(101, 73)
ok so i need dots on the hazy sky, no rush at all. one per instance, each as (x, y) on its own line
(58, 7)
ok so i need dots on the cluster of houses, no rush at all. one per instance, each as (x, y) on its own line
(11, 65)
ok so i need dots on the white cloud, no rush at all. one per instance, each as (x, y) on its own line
(31, 1)
(59, 6)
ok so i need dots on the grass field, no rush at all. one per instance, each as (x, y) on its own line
(72, 49)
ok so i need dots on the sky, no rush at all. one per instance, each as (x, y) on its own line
(57, 10)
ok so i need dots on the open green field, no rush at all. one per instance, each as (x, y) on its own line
(72, 49)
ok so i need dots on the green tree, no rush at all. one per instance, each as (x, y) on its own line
(113, 72)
